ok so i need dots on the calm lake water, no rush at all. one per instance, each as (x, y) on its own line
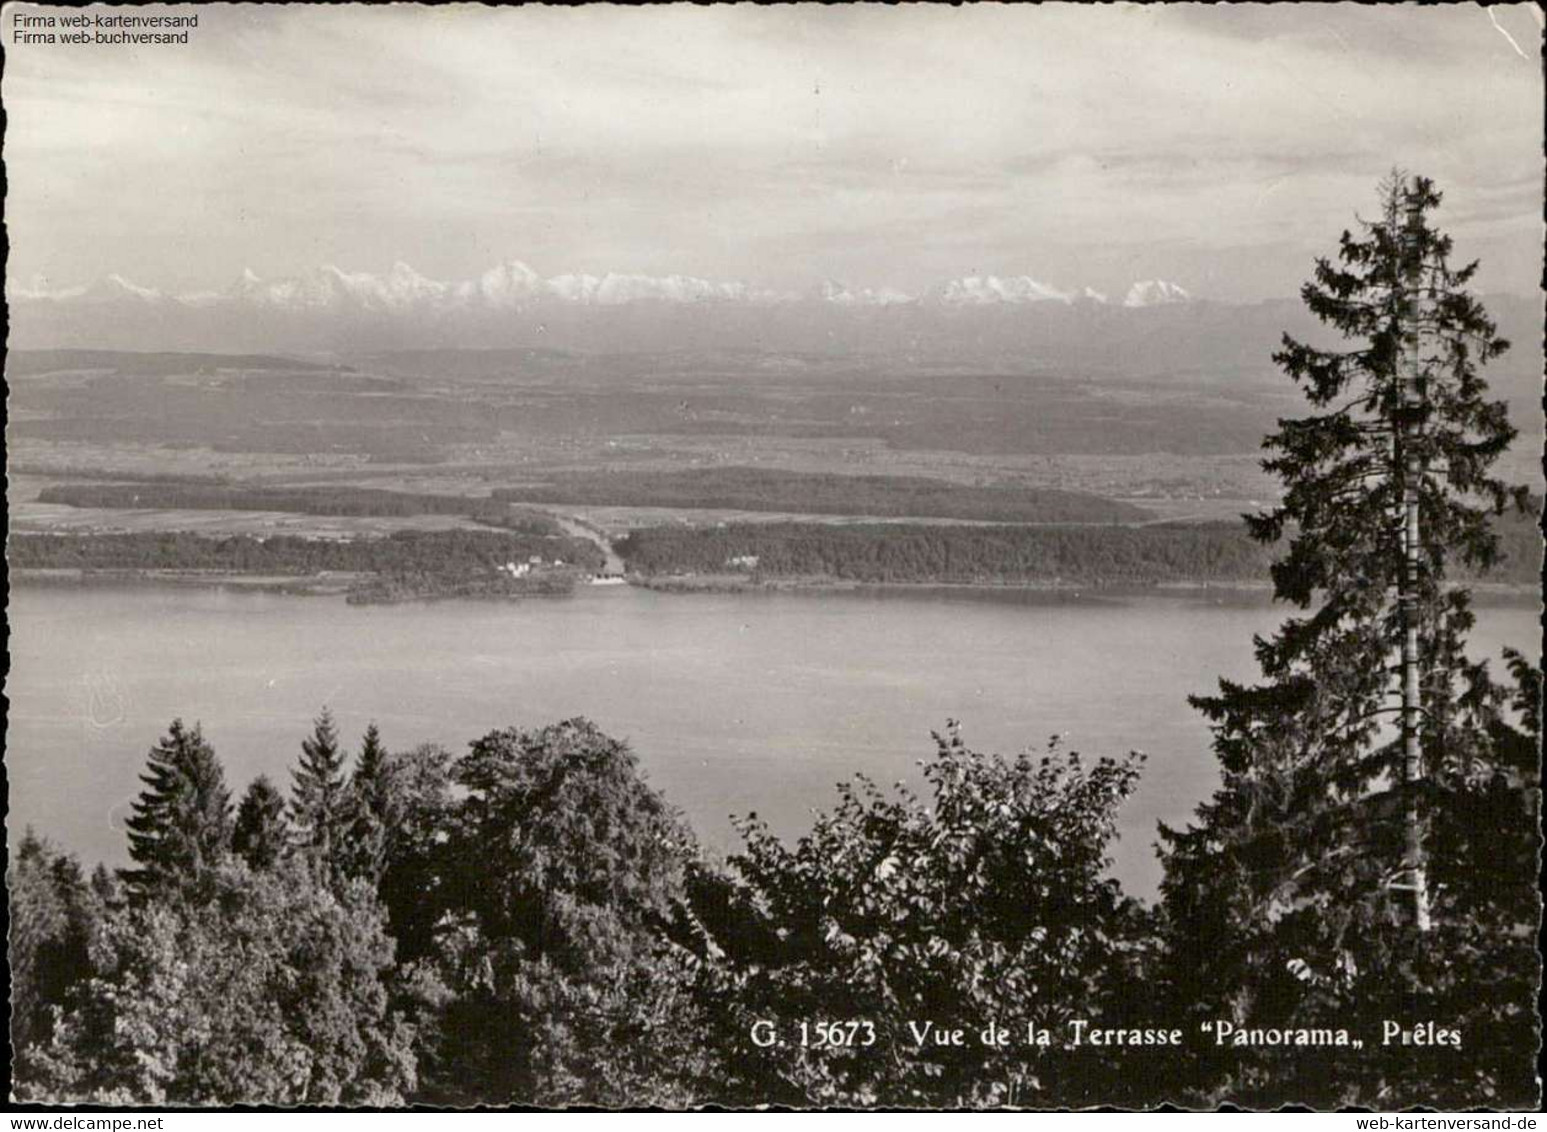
(733, 703)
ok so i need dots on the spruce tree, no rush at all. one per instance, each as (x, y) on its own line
(262, 835)
(370, 807)
(1308, 887)
(318, 799)
(369, 781)
(181, 824)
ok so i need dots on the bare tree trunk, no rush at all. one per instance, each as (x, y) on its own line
(1412, 471)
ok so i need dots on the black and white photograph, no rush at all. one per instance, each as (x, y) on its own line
(774, 557)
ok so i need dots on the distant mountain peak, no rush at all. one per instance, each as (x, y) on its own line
(841, 294)
(1154, 293)
(978, 290)
(110, 288)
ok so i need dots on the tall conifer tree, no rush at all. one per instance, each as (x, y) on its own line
(261, 835)
(318, 802)
(1304, 888)
(181, 823)
(370, 805)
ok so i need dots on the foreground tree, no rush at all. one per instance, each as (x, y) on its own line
(318, 802)
(992, 905)
(416, 866)
(269, 989)
(261, 835)
(565, 880)
(53, 913)
(180, 827)
(369, 807)
(1311, 889)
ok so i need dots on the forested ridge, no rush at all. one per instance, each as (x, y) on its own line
(1112, 555)
(745, 489)
(359, 501)
(768, 489)
(917, 553)
(875, 553)
(403, 552)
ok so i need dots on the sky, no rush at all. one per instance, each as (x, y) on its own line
(1220, 147)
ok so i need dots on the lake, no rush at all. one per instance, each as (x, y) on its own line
(733, 702)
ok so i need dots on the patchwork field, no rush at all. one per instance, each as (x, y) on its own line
(442, 441)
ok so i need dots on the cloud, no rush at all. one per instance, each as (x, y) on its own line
(888, 146)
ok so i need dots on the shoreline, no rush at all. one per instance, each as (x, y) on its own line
(1496, 594)
(355, 588)
(295, 585)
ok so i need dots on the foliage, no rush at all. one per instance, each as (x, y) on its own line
(416, 816)
(52, 913)
(566, 874)
(181, 824)
(990, 906)
(582, 854)
(1285, 907)
(261, 835)
(367, 806)
(437, 554)
(1088, 555)
(1281, 901)
(917, 553)
(318, 802)
(440, 562)
(267, 989)
(369, 779)
(558, 940)
(385, 589)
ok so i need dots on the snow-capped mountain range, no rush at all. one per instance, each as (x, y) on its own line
(994, 321)
(513, 285)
